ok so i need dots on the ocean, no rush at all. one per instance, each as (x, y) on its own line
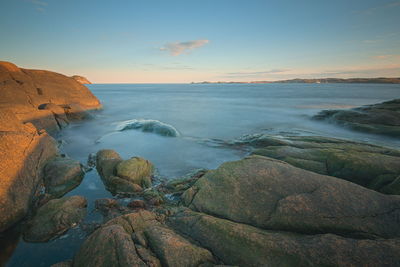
(200, 118)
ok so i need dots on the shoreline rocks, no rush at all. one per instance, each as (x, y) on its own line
(382, 118)
(257, 211)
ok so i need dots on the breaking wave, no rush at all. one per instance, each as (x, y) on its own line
(152, 126)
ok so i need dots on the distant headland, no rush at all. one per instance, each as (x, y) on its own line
(322, 80)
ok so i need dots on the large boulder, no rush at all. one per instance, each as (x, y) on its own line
(382, 118)
(23, 153)
(368, 165)
(55, 217)
(123, 176)
(139, 239)
(61, 175)
(271, 194)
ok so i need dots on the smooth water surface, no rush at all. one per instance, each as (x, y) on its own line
(203, 115)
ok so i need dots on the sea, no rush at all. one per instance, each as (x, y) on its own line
(200, 119)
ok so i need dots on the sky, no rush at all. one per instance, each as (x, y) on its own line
(149, 41)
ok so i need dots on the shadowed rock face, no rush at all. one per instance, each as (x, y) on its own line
(55, 217)
(61, 175)
(371, 166)
(382, 118)
(33, 103)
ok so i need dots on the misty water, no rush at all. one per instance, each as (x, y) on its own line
(204, 116)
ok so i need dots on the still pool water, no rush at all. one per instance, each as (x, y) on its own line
(204, 115)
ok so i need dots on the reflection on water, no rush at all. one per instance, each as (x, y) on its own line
(206, 116)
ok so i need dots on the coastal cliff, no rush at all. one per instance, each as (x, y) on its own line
(33, 105)
(81, 79)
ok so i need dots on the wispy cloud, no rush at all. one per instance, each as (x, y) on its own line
(371, 10)
(387, 57)
(39, 5)
(178, 48)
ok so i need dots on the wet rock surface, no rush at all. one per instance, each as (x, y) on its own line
(382, 118)
(55, 217)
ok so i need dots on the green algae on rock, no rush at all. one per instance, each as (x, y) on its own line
(123, 176)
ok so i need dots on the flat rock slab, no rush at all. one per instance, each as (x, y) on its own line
(371, 166)
(244, 245)
(55, 217)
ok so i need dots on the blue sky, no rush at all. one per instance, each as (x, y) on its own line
(218, 40)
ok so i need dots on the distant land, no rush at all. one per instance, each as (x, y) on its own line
(323, 80)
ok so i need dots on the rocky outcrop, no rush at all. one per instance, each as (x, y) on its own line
(368, 165)
(139, 239)
(61, 175)
(382, 118)
(123, 176)
(81, 79)
(55, 217)
(264, 212)
(33, 95)
(33, 103)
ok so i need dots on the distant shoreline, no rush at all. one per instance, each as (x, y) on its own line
(323, 80)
